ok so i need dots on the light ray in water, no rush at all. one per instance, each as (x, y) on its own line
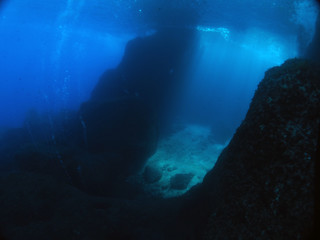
(224, 32)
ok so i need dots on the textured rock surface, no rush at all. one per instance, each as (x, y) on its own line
(123, 114)
(262, 184)
(149, 68)
(124, 127)
(180, 181)
(151, 174)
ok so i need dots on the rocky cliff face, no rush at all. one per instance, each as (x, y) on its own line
(113, 134)
(262, 186)
(124, 113)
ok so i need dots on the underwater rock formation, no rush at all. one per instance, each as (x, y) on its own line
(262, 186)
(123, 114)
(151, 174)
(116, 131)
(180, 181)
(124, 127)
(149, 69)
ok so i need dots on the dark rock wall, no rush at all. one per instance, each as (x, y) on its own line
(124, 113)
(114, 133)
(149, 68)
(262, 184)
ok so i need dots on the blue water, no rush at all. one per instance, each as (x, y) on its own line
(53, 52)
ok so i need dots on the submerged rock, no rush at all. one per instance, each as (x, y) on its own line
(262, 186)
(180, 181)
(116, 131)
(123, 126)
(149, 69)
(123, 114)
(151, 174)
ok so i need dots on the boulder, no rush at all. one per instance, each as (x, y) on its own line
(180, 181)
(151, 174)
